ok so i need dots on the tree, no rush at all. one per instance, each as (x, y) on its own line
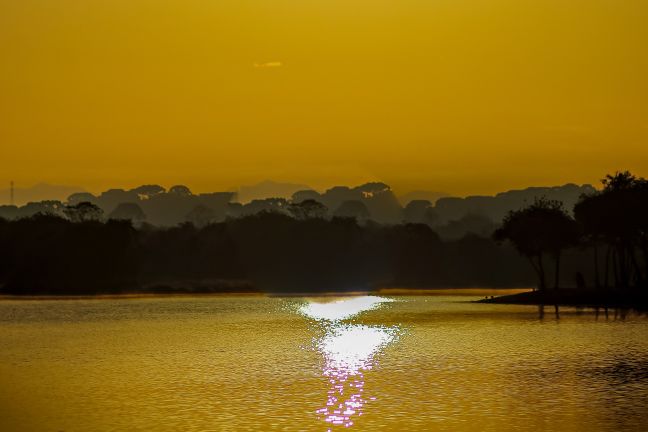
(128, 211)
(353, 209)
(618, 216)
(82, 212)
(9, 212)
(541, 228)
(180, 190)
(589, 212)
(272, 205)
(148, 191)
(470, 223)
(373, 188)
(201, 216)
(80, 197)
(416, 211)
(306, 194)
(308, 209)
(48, 207)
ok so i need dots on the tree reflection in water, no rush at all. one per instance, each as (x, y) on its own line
(348, 350)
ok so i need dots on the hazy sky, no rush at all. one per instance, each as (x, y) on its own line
(463, 96)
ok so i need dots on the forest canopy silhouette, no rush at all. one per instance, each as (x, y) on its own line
(345, 239)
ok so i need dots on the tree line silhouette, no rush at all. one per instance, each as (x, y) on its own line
(267, 251)
(299, 245)
(450, 217)
(614, 219)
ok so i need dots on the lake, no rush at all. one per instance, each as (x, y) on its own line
(365, 363)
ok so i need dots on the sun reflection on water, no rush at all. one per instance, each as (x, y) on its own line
(349, 350)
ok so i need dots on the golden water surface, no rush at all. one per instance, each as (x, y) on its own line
(437, 363)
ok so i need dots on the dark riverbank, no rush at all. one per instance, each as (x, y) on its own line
(199, 287)
(171, 288)
(611, 298)
(243, 288)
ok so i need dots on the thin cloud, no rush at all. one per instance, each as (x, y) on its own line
(273, 64)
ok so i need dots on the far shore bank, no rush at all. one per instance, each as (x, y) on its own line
(466, 291)
(132, 295)
(634, 298)
(176, 291)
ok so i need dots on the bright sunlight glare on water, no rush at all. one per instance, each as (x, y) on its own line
(341, 309)
(348, 351)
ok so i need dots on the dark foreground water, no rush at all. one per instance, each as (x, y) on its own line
(436, 363)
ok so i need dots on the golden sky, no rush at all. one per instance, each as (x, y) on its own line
(461, 96)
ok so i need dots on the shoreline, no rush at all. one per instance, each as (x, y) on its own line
(632, 299)
(396, 292)
(466, 291)
(636, 299)
(126, 296)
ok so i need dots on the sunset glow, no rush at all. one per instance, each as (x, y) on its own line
(456, 96)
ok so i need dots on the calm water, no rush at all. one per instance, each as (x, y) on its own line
(437, 363)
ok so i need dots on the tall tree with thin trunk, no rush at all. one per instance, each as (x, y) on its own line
(543, 228)
(618, 216)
